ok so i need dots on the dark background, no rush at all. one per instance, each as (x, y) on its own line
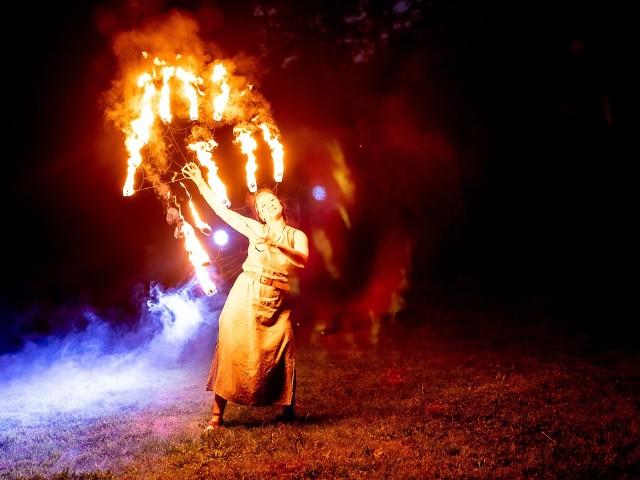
(491, 135)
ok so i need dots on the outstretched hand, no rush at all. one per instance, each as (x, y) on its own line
(192, 171)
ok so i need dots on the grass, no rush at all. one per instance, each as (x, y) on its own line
(449, 394)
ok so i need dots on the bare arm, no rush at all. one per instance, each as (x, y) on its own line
(298, 255)
(245, 225)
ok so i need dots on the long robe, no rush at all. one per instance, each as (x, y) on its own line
(254, 358)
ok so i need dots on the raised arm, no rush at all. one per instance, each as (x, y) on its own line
(247, 226)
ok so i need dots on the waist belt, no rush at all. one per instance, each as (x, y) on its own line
(268, 281)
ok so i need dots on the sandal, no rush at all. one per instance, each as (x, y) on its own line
(216, 422)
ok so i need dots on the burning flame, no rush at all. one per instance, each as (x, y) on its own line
(157, 96)
(203, 152)
(276, 152)
(220, 101)
(140, 131)
(201, 224)
(198, 258)
(169, 105)
(197, 254)
(248, 145)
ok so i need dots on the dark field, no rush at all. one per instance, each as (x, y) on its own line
(449, 392)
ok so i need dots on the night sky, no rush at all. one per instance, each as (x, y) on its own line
(524, 108)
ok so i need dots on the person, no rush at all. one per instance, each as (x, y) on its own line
(254, 358)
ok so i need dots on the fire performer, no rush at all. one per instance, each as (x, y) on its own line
(254, 359)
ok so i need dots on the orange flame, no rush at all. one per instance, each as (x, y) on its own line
(198, 258)
(200, 224)
(220, 101)
(248, 145)
(156, 89)
(140, 131)
(164, 105)
(203, 152)
(276, 152)
(172, 87)
(189, 79)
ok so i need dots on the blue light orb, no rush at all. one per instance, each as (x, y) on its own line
(319, 193)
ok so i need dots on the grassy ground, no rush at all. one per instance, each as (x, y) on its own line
(473, 394)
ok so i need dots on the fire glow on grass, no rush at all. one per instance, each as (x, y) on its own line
(168, 105)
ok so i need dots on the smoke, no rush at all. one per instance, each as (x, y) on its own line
(103, 368)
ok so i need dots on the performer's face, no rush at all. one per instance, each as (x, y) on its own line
(268, 206)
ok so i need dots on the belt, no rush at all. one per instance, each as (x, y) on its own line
(268, 281)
